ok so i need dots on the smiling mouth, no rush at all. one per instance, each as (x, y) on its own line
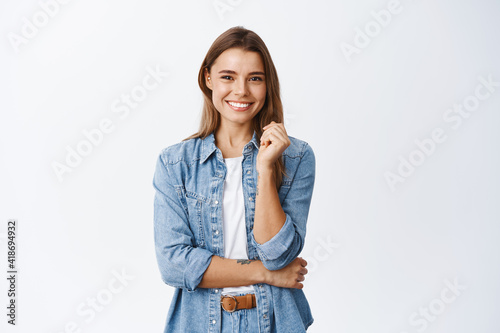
(239, 106)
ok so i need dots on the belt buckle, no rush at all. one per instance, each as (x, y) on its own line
(235, 301)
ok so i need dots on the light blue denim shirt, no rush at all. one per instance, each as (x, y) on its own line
(189, 179)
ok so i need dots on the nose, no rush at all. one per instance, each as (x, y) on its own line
(240, 88)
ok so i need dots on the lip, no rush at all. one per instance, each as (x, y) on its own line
(237, 108)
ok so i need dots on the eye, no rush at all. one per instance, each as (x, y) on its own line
(257, 78)
(226, 77)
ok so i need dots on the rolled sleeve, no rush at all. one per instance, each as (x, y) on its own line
(181, 264)
(276, 246)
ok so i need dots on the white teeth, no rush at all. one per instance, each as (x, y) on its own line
(239, 105)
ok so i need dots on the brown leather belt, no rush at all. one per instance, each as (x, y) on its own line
(233, 303)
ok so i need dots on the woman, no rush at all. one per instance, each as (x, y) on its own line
(232, 202)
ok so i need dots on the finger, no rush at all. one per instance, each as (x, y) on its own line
(304, 262)
(280, 133)
(274, 137)
(281, 136)
(273, 123)
(266, 139)
(278, 127)
(303, 271)
(275, 127)
(270, 124)
(263, 137)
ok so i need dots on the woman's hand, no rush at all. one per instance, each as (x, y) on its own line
(290, 276)
(273, 142)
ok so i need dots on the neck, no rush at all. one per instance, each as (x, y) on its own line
(233, 136)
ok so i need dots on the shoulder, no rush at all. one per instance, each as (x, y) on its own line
(187, 151)
(298, 149)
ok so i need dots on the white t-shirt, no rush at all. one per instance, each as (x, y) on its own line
(233, 219)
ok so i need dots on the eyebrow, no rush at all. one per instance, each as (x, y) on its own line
(227, 71)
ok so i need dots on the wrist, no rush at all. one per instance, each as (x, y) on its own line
(265, 169)
(263, 274)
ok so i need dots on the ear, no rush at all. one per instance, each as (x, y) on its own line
(208, 81)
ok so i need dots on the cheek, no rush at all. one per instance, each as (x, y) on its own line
(219, 92)
(260, 93)
(215, 94)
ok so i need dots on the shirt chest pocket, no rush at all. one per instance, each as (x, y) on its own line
(284, 188)
(193, 205)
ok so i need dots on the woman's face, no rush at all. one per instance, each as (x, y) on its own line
(238, 85)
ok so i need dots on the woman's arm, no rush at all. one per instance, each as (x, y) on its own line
(279, 229)
(181, 265)
(224, 272)
(269, 215)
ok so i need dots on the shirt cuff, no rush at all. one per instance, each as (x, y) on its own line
(198, 264)
(279, 244)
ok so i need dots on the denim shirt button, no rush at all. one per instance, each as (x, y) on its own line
(250, 198)
(216, 290)
(260, 286)
(216, 202)
(249, 172)
(213, 321)
(265, 316)
(216, 232)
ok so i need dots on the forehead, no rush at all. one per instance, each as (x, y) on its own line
(239, 60)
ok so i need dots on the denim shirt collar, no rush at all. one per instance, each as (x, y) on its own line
(208, 146)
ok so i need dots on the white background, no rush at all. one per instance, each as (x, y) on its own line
(377, 255)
